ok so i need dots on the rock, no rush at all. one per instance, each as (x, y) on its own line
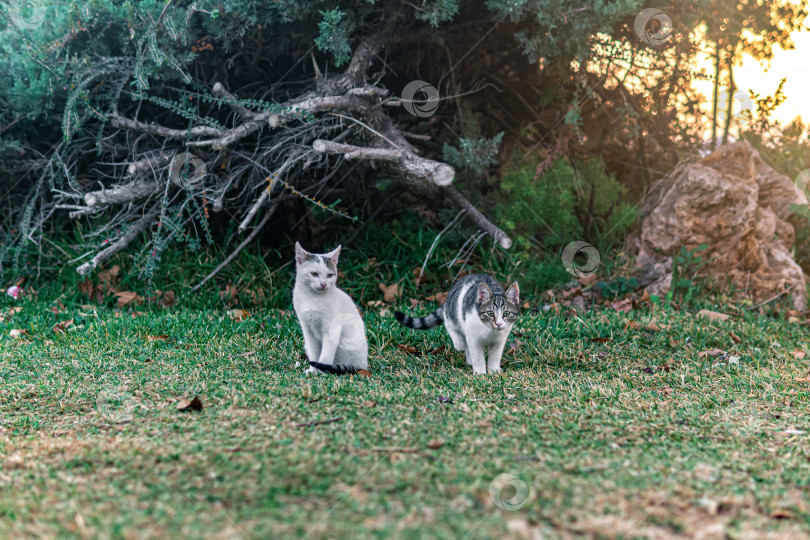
(736, 204)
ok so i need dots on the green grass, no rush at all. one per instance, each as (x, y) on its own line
(636, 437)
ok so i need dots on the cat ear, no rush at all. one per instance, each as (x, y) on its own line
(301, 254)
(333, 256)
(484, 293)
(513, 293)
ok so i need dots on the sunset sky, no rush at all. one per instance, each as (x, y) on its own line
(763, 78)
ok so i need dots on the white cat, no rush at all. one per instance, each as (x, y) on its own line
(478, 315)
(334, 333)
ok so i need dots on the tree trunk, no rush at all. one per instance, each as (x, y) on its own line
(730, 104)
(714, 101)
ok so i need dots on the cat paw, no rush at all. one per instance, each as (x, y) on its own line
(495, 370)
(309, 370)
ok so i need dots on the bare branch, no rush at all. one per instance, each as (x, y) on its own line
(121, 243)
(404, 160)
(313, 105)
(130, 192)
(501, 237)
(253, 209)
(244, 112)
(149, 163)
(162, 131)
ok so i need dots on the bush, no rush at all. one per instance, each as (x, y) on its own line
(572, 201)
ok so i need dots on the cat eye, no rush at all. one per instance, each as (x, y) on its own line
(490, 313)
(315, 274)
(505, 313)
(331, 275)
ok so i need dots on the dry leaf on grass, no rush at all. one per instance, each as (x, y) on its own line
(390, 292)
(229, 294)
(59, 307)
(238, 314)
(601, 340)
(711, 352)
(157, 338)
(61, 327)
(167, 299)
(368, 404)
(590, 279)
(438, 297)
(436, 443)
(437, 350)
(734, 337)
(110, 278)
(624, 306)
(9, 313)
(87, 287)
(713, 315)
(193, 405)
(654, 326)
(126, 298)
(799, 354)
(651, 326)
(256, 297)
(17, 334)
(408, 349)
(364, 373)
(570, 293)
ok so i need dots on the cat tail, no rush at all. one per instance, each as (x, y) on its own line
(421, 323)
(334, 370)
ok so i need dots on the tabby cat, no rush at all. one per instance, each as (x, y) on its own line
(478, 315)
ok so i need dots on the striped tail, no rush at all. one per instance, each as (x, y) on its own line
(334, 370)
(421, 323)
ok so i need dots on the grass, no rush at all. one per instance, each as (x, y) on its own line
(635, 437)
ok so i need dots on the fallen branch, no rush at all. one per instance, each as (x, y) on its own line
(406, 161)
(244, 112)
(313, 105)
(239, 248)
(149, 163)
(130, 192)
(254, 209)
(162, 131)
(497, 234)
(772, 298)
(121, 243)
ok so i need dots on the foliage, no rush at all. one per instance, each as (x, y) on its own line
(473, 156)
(685, 267)
(575, 200)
